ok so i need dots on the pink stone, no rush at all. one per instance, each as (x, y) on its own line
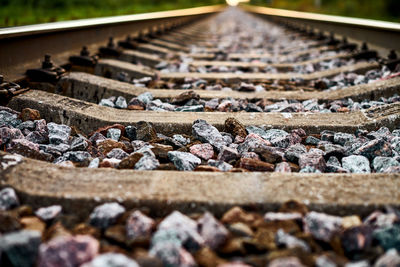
(312, 159)
(23, 144)
(204, 151)
(213, 232)
(139, 225)
(68, 251)
(186, 259)
(283, 167)
(7, 134)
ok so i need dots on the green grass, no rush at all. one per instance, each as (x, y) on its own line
(23, 12)
(372, 9)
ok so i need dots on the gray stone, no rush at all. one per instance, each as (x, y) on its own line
(106, 103)
(276, 137)
(321, 226)
(97, 138)
(167, 247)
(208, 133)
(311, 140)
(146, 151)
(380, 164)
(77, 156)
(9, 119)
(121, 102)
(374, 148)
(78, 144)
(357, 264)
(227, 154)
(334, 161)
(382, 133)
(212, 231)
(309, 169)
(111, 259)
(29, 125)
(117, 153)
(114, 133)
(185, 228)
(289, 261)
(342, 138)
(196, 108)
(146, 97)
(294, 152)
(289, 241)
(181, 139)
(8, 199)
(131, 132)
(21, 247)
(184, 161)
(147, 163)
(356, 164)
(251, 143)
(388, 237)
(106, 214)
(58, 133)
(94, 163)
(390, 259)
(48, 213)
(55, 150)
(324, 261)
(221, 165)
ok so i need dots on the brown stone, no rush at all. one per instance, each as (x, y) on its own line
(237, 214)
(185, 97)
(161, 151)
(55, 230)
(33, 223)
(85, 229)
(116, 233)
(234, 127)
(135, 107)
(206, 168)
(130, 161)
(28, 114)
(23, 211)
(166, 167)
(8, 222)
(233, 246)
(108, 145)
(256, 165)
(145, 131)
(207, 258)
(305, 257)
(294, 167)
(293, 206)
(103, 130)
(268, 156)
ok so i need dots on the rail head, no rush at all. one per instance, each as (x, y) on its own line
(349, 21)
(20, 31)
(382, 36)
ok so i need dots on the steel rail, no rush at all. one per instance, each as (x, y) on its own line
(23, 47)
(381, 35)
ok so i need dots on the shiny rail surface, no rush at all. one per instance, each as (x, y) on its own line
(23, 47)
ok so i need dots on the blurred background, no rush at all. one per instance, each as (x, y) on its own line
(23, 12)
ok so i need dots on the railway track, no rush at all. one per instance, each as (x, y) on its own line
(134, 145)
